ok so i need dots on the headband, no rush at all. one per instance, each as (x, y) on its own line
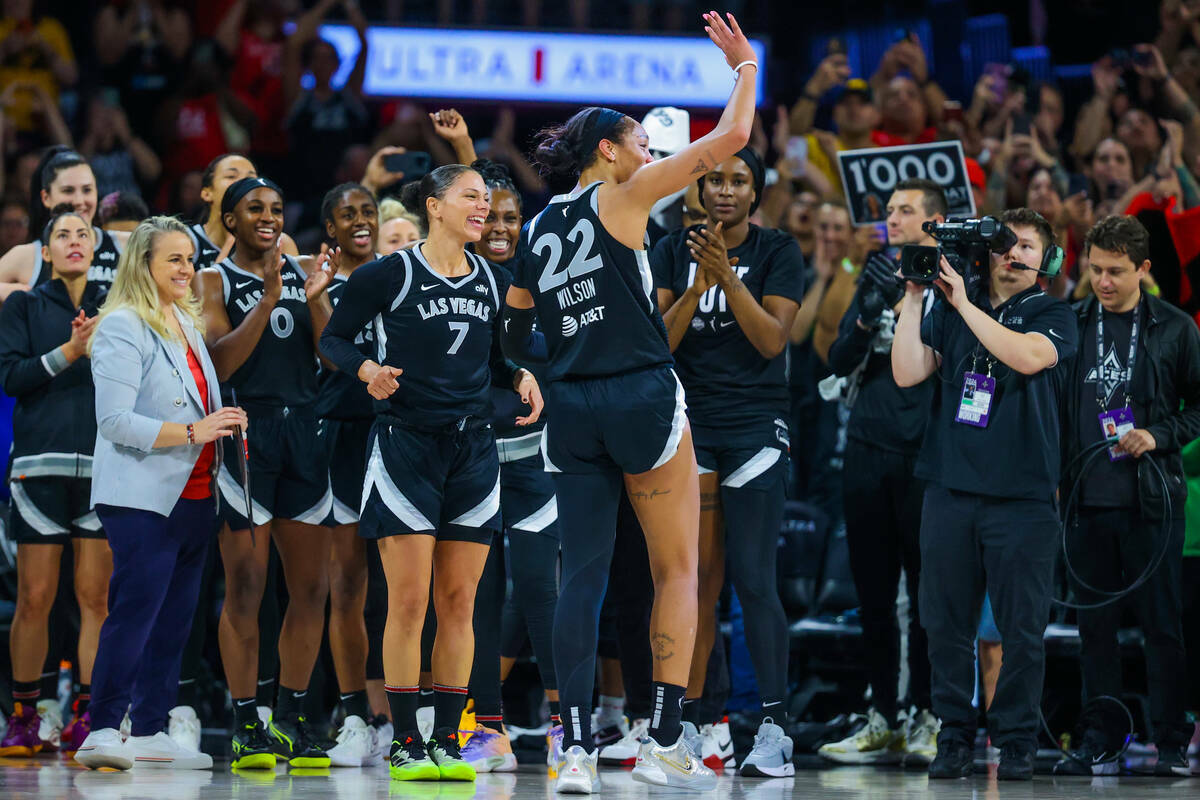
(242, 187)
(599, 124)
(758, 171)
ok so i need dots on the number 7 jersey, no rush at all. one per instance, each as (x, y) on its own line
(594, 296)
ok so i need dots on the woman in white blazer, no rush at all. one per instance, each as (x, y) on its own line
(159, 425)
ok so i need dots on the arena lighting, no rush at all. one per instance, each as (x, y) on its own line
(576, 68)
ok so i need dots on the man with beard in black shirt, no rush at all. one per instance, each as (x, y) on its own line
(883, 436)
(1136, 384)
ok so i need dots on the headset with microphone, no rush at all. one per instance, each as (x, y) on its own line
(1052, 261)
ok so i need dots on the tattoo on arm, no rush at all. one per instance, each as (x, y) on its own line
(650, 495)
(662, 645)
(700, 168)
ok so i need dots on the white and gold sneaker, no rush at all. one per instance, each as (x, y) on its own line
(875, 743)
(676, 766)
(577, 772)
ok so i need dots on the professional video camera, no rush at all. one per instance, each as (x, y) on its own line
(966, 244)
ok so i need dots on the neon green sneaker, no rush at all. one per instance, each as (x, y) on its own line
(443, 749)
(294, 742)
(409, 761)
(252, 749)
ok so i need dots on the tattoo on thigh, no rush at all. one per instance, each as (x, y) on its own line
(662, 645)
(710, 501)
(650, 495)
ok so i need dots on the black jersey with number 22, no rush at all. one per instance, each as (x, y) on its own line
(593, 295)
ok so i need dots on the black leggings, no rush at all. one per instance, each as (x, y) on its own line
(375, 611)
(753, 518)
(628, 602)
(489, 603)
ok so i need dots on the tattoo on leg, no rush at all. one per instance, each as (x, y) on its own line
(662, 645)
(710, 501)
(650, 495)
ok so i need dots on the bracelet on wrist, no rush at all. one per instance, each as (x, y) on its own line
(752, 62)
(191, 433)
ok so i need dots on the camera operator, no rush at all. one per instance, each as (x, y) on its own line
(1136, 383)
(991, 459)
(883, 436)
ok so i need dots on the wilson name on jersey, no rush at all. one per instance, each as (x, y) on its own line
(440, 331)
(593, 295)
(282, 369)
(104, 261)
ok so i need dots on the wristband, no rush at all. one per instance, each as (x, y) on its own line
(191, 434)
(744, 63)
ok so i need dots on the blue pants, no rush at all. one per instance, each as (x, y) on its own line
(157, 565)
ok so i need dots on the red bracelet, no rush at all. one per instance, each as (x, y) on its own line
(191, 433)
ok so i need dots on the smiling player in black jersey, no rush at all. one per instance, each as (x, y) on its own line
(346, 412)
(729, 294)
(432, 492)
(263, 316)
(62, 176)
(618, 409)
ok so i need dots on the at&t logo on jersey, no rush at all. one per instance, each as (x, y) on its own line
(571, 326)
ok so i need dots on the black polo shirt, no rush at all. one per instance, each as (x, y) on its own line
(1017, 455)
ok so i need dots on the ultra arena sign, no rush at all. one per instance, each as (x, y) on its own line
(540, 67)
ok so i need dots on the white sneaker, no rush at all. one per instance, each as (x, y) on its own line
(716, 745)
(354, 744)
(184, 727)
(874, 744)
(160, 751)
(424, 723)
(922, 738)
(577, 772)
(381, 743)
(675, 766)
(51, 725)
(104, 748)
(624, 752)
(771, 756)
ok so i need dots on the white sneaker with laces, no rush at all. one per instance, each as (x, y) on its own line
(381, 744)
(184, 727)
(771, 756)
(922, 738)
(354, 744)
(624, 752)
(105, 748)
(51, 725)
(875, 743)
(160, 751)
(717, 746)
(577, 772)
(676, 766)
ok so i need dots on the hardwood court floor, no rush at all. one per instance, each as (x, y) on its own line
(46, 778)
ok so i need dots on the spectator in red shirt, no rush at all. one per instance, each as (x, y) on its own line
(251, 34)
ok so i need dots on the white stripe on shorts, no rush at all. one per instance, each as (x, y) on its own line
(538, 520)
(33, 515)
(677, 423)
(88, 522)
(759, 463)
(236, 497)
(481, 513)
(546, 462)
(320, 512)
(393, 498)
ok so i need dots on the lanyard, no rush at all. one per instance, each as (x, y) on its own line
(1101, 394)
(988, 360)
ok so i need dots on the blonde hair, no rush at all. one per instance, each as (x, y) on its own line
(391, 208)
(135, 289)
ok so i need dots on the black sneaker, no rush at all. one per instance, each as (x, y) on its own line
(443, 750)
(1172, 761)
(955, 759)
(409, 761)
(292, 740)
(1016, 763)
(252, 748)
(1090, 758)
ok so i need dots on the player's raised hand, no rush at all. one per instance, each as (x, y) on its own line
(273, 271)
(729, 38)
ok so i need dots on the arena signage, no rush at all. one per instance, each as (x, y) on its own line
(869, 175)
(540, 67)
